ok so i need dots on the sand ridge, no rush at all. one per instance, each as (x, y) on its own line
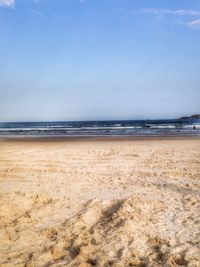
(95, 203)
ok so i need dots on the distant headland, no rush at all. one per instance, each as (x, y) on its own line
(195, 116)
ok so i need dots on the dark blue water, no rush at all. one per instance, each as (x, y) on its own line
(190, 127)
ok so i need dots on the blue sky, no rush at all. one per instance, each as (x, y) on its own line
(99, 59)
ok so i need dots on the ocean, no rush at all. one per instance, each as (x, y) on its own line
(179, 127)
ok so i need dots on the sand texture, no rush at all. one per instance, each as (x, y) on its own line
(100, 203)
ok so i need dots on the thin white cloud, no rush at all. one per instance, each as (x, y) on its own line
(194, 24)
(189, 17)
(7, 3)
(178, 12)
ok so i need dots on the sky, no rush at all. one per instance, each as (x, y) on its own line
(99, 59)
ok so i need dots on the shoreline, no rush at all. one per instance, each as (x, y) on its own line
(99, 138)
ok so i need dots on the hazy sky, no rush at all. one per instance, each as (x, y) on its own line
(99, 59)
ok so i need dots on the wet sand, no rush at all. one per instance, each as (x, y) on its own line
(113, 202)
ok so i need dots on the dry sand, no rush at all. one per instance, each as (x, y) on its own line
(100, 203)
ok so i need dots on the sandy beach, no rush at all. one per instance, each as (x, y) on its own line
(100, 202)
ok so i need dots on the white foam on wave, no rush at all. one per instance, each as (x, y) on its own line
(152, 126)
